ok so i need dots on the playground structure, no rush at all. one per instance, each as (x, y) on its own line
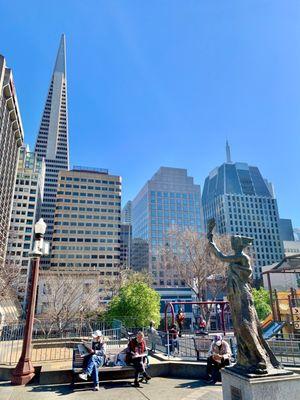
(285, 303)
(223, 306)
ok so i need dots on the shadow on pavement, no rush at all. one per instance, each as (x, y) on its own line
(66, 389)
(196, 384)
(116, 384)
(60, 390)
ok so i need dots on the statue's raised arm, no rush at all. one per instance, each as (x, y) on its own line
(217, 252)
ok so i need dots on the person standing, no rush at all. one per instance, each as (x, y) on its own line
(173, 340)
(152, 336)
(95, 359)
(180, 317)
(136, 355)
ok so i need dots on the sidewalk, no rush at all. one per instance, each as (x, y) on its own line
(157, 389)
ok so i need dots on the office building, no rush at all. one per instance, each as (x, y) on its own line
(291, 247)
(87, 221)
(26, 211)
(126, 212)
(52, 139)
(297, 234)
(243, 203)
(169, 200)
(125, 245)
(11, 139)
(286, 229)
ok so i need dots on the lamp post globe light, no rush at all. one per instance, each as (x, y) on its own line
(24, 371)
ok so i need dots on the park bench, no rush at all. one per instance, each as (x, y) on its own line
(77, 364)
(202, 345)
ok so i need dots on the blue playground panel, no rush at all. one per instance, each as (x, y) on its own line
(272, 329)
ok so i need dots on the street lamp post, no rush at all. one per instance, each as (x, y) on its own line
(24, 370)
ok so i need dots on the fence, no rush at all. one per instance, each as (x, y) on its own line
(191, 347)
(53, 346)
(58, 345)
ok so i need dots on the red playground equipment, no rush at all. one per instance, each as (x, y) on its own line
(170, 305)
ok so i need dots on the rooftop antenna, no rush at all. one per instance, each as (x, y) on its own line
(228, 153)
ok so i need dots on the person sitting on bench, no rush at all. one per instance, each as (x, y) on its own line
(95, 359)
(218, 357)
(137, 356)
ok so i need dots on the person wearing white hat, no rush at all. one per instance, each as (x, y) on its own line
(218, 357)
(95, 359)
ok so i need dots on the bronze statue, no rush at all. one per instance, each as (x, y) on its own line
(254, 356)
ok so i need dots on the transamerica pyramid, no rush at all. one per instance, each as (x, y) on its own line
(52, 139)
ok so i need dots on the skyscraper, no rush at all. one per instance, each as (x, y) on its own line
(87, 221)
(126, 212)
(11, 138)
(243, 202)
(286, 229)
(170, 199)
(27, 203)
(125, 245)
(52, 140)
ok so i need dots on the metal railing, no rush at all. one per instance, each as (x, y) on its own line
(55, 347)
(191, 347)
(287, 351)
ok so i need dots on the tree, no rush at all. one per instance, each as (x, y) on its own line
(261, 302)
(188, 256)
(124, 275)
(135, 305)
(66, 297)
(11, 280)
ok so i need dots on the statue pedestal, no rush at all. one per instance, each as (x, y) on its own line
(266, 387)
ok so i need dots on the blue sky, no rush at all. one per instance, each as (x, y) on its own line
(166, 82)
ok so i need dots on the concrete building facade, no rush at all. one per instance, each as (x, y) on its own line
(52, 140)
(291, 247)
(170, 199)
(11, 139)
(82, 285)
(87, 221)
(26, 210)
(243, 203)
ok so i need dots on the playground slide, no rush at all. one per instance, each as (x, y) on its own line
(272, 329)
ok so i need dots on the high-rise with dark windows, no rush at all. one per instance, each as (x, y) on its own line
(169, 200)
(243, 202)
(52, 140)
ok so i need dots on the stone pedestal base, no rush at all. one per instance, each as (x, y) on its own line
(276, 387)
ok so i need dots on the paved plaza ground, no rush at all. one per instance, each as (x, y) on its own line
(157, 389)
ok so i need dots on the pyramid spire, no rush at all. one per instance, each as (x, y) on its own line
(60, 63)
(228, 153)
(53, 141)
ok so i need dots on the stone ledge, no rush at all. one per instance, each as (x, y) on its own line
(176, 369)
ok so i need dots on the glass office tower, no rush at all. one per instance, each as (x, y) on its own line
(243, 202)
(170, 199)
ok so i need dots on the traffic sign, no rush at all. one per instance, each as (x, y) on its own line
(296, 310)
(296, 318)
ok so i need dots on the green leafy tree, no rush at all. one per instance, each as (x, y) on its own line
(261, 302)
(135, 305)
